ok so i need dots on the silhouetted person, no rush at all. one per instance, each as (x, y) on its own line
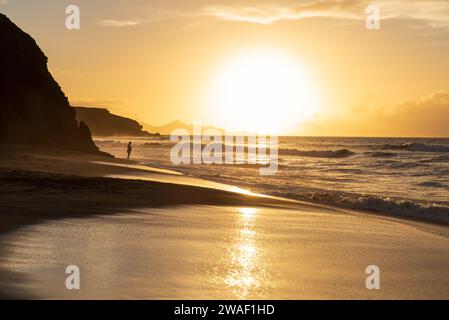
(129, 149)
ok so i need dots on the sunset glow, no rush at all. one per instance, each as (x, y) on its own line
(217, 158)
(304, 69)
(262, 92)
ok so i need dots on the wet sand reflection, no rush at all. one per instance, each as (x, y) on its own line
(245, 274)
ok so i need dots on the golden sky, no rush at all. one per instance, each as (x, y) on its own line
(158, 61)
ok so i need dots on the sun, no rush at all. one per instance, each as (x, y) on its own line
(261, 92)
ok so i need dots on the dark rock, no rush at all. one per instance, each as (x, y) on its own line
(103, 123)
(33, 108)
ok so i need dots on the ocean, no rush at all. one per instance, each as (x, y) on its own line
(396, 176)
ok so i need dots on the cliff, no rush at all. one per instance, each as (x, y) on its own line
(33, 108)
(103, 123)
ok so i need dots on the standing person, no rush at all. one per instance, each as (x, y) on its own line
(129, 149)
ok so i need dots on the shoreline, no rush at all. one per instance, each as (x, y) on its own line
(369, 181)
(69, 166)
(183, 229)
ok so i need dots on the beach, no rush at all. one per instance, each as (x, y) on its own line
(150, 233)
(232, 151)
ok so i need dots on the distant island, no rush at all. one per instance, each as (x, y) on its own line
(104, 123)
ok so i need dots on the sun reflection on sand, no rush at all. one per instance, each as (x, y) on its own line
(243, 191)
(244, 256)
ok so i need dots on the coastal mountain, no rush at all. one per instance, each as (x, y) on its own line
(103, 123)
(176, 124)
(167, 128)
(33, 108)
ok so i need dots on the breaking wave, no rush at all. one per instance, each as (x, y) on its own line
(427, 211)
(342, 153)
(417, 147)
(381, 154)
(433, 184)
(109, 143)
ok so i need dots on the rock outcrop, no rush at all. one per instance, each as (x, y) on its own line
(33, 108)
(103, 123)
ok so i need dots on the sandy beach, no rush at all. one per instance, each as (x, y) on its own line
(161, 235)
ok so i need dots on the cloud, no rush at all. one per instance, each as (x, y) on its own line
(438, 101)
(120, 23)
(154, 15)
(431, 13)
(269, 14)
(261, 14)
(423, 117)
(435, 13)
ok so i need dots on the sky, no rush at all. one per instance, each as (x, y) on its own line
(158, 61)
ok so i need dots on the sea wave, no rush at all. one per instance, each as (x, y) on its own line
(417, 147)
(433, 184)
(109, 143)
(341, 153)
(152, 144)
(437, 159)
(381, 154)
(422, 210)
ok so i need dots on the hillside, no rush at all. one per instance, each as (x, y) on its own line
(103, 123)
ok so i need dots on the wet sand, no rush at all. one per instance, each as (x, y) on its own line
(173, 239)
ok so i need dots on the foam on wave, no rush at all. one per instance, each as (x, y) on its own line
(427, 211)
